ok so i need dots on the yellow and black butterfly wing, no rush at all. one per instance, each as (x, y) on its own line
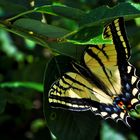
(111, 64)
(102, 80)
(71, 91)
(74, 90)
(108, 61)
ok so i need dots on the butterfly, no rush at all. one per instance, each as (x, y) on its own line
(103, 82)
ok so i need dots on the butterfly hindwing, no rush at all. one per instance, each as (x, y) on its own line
(72, 91)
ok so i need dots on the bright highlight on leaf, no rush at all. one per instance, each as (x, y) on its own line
(32, 85)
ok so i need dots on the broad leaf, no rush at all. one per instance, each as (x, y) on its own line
(67, 125)
(64, 11)
(127, 10)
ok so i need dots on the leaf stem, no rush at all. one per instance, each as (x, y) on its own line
(19, 15)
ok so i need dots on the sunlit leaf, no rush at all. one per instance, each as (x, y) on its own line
(32, 85)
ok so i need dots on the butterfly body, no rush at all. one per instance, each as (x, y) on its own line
(103, 82)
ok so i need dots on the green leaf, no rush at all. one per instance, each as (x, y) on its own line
(28, 28)
(67, 125)
(64, 11)
(88, 35)
(44, 29)
(109, 133)
(135, 113)
(32, 85)
(90, 31)
(110, 130)
(104, 13)
(46, 35)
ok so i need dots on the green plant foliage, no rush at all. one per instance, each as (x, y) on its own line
(32, 85)
(55, 28)
(48, 33)
(110, 132)
(44, 30)
(127, 10)
(64, 11)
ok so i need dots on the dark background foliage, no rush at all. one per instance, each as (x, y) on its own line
(22, 67)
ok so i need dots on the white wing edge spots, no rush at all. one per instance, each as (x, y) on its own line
(134, 91)
(104, 114)
(134, 101)
(122, 115)
(131, 66)
(133, 79)
(113, 116)
(94, 109)
(129, 69)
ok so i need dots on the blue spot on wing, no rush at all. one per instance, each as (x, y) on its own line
(127, 86)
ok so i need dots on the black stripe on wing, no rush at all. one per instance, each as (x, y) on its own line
(73, 104)
(91, 77)
(99, 60)
(120, 41)
(127, 71)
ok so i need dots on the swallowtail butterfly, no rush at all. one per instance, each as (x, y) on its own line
(104, 81)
